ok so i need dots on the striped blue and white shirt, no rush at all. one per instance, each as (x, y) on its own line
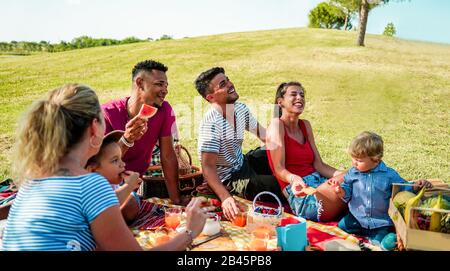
(55, 213)
(217, 135)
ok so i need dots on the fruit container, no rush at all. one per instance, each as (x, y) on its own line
(261, 215)
(416, 234)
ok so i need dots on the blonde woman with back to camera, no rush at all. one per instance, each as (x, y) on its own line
(60, 205)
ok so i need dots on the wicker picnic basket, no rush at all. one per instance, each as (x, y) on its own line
(189, 176)
(261, 215)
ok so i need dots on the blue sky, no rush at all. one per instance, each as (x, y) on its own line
(56, 20)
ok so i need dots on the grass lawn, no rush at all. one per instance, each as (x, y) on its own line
(397, 88)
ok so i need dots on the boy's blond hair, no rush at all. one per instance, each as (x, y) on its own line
(367, 144)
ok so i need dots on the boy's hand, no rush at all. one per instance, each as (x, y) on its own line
(132, 179)
(421, 183)
(337, 187)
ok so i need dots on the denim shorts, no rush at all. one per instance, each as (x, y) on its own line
(307, 206)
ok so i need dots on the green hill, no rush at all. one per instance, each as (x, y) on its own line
(397, 88)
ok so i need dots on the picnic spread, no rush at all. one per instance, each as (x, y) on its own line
(233, 238)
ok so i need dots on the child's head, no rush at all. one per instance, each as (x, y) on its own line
(108, 161)
(366, 151)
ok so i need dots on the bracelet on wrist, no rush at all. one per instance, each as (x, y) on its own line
(191, 238)
(190, 234)
(126, 143)
(291, 178)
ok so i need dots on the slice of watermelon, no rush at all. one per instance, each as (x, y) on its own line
(147, 111)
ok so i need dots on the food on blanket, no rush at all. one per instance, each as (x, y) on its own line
(413, 202)
(431, 202)
(400, 200)
(445, 223)
(215, 202)
(309, 190)
(147, 111)
(423, 222)
(212, 202)
(267, 211)
(435, 220)
(288, 220)
(424, 217)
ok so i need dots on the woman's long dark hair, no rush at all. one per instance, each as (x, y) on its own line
(281, 90)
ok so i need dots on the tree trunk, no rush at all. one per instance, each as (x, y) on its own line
(363, 15)
(346, 21)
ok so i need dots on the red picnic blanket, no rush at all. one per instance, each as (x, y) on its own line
(151, 216)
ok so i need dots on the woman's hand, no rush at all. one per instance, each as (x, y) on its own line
(297, 185)
(336, 185)
(195, 216)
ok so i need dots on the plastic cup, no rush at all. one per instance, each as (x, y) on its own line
(172, 217)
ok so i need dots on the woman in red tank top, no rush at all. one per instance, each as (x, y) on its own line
(295, 160)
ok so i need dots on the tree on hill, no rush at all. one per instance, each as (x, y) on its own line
(349, 8)
(364, 7)
(165, 37)
(389, 30)
(325, 15)
(23, 47)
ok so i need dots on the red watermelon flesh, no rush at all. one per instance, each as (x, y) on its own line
(147, 111)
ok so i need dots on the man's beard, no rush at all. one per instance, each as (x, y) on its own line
(231, 100)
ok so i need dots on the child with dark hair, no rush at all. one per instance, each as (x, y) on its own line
(108, 163)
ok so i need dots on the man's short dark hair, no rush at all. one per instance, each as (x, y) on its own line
(203, 80)
(147, 65)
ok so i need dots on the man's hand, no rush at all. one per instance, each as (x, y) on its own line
(230, 208)
(135, 129)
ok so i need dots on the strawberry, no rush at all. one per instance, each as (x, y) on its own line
(271, 211)
(216, 202)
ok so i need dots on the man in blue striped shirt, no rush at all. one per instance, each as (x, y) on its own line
(221, 134)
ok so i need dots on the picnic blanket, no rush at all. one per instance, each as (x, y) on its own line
(8, 191)
(317, 233)
(149, 217)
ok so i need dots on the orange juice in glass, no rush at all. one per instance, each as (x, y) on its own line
(240, 220)
(259, 239)
(173, 217)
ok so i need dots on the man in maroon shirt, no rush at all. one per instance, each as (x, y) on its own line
(149, 87)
